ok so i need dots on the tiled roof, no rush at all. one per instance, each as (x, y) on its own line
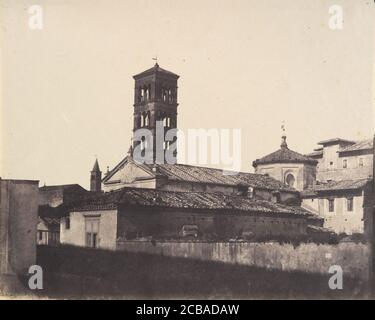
(51, 221)
(335, 141)
(155, 69)
(62, 187)
(284, 155)
(189, 173)
(335, 186)
(314, 154)
(182, 172)
(184, 200)
(360, 145)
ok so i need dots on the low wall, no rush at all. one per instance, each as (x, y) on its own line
(354, 258)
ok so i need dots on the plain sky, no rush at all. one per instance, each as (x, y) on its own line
(67, 89)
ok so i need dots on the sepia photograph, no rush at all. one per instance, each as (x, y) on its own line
(167, 150)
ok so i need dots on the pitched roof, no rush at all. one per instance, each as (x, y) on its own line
(317, 153)
(184, 200)
(284, 155)
(336, 141)
(96, 166)
(359, 146)
(62, 187)
(51, 221)
(183, 172)
(196, 174)
(335, 186)
(155, 69)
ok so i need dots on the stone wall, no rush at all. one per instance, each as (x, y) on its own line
(76, 233)
(354, 258)
(167, 224)
(18, 222)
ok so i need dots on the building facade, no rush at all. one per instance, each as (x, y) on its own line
(138, 214)
(155, 99)
(18, 222)
(340, 159)
(335, 181)
(344, 193)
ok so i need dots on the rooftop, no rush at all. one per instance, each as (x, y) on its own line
(284, 155)
(359, 146)
(336, 141)
(155, 69)
(196, 174)
(353, 184)
(184, 200)
(62, 187)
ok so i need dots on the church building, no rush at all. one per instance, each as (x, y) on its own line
(161, 199)
(156, 100)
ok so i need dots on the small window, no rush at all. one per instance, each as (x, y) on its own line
(331, 205)
(40, 235)
(345, 163)
(360, 162)
(67, 223)
(189, 230)
(290, 180)
(349, 204)
(331, 163)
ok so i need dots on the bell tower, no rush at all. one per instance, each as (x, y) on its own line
(96, 178)
(155, 102)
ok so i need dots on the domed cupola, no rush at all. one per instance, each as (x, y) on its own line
(288, 166)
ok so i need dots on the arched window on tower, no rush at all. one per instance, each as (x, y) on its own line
(142, 94)
(170, 96)
(147, 119)
(147, 93)
(164, 94)
(142, 120)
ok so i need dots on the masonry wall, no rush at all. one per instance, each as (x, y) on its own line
(354, 258)
(340, 220)
(304, 174)
(76, 234)
(18, 223)
(167, 224)
(336, 171)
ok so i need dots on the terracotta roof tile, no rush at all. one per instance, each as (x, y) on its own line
(360, 145)
(183, 172)
(183, 200)
(284, 155)
(335, 186)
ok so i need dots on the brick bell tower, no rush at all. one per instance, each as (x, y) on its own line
(96, 178)
(155, 99)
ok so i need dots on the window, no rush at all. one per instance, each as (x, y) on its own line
(345, 163)
(349, 204)
(189, 230)
(360, 162)
(67, 223)
(290, 180)
(331, 205)
(40, 235)
(92, 231)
